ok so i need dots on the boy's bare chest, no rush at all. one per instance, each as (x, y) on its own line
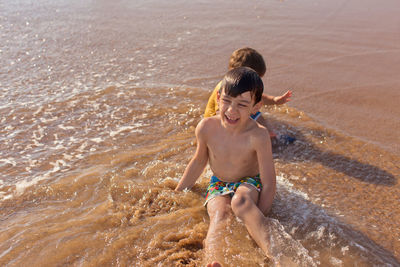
(231, 149)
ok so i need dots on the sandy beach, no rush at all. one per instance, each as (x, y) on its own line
(99, 101)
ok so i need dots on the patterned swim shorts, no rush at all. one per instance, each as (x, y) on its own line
(220, 188)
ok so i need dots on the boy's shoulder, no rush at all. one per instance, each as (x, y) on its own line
(208, 124)
(211, 120)
(260, 134)
(207, 128)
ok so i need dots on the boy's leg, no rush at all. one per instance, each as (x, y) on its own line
(244, 206)
(220, 212)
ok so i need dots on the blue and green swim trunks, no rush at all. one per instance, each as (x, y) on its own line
(220, 188)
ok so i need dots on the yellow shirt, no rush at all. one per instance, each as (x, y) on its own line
(212, 105)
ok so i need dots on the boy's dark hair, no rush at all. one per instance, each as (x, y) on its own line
(240, 80)
(248, 57)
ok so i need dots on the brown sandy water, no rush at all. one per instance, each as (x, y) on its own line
(99, 101)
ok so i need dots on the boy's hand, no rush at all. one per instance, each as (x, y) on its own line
(279, 100)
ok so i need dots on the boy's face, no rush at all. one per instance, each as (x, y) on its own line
(236, 111)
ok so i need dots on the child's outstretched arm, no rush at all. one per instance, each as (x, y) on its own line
(267, 172)
(276, 100)
(199, 161)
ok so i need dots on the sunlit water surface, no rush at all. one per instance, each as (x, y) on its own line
(99, 102)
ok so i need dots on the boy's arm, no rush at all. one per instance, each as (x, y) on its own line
(199, 161)
(276, 100)
(267, 172)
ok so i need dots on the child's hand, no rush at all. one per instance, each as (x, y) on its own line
(279, 100)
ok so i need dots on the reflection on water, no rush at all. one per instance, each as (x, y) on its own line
(98, 109)
(112, 200)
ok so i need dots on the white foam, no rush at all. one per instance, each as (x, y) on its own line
(121, 129)
(68, 157)
(97, 140)
(318, 234)
(82, 147)
(57, 165)
(36, 143)
(4, 196)
(44, 120)
(96, 106)
(9, 161)
(6, 106)
(335, 261)
(22, 185)
(282, 245)
(9, 127)
(38, 134)
(59, 146)
(62, 127)
(133, 77)
(285, 183)
(38, 110)
(32, 162)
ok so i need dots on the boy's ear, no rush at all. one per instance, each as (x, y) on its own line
(218, 95)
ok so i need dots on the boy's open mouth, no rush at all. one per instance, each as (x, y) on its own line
(231, 120)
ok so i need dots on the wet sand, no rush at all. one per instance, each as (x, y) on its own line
(99, 102)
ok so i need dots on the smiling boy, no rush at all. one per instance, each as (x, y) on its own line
(249, 57)
(238, 150)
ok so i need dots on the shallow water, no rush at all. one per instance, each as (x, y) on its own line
(99, 102)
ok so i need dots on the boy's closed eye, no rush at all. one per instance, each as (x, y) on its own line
(228, 101)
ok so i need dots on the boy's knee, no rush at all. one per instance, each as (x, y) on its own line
(240, 204)
(220, 213)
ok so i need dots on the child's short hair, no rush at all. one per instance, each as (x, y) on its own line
(240, 80)
(248, 57)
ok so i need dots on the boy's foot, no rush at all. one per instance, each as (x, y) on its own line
(214, 264)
